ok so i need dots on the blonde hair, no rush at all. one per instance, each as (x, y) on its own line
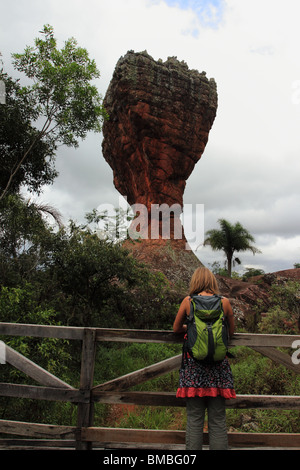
(203, 280)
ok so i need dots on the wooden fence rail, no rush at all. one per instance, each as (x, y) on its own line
(85, 435)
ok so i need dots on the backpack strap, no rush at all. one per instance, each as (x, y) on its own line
(191, 315)
(184, 346)
(211, 348)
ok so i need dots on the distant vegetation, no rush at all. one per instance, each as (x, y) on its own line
(216, 268)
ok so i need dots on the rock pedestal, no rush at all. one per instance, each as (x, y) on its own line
(160, 115)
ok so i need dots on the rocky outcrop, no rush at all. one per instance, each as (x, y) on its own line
(160, 115)
(246, 296)
(169, 258)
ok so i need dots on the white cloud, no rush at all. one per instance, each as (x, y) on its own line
(250, 169)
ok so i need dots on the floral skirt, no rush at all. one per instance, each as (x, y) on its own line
(205, 379)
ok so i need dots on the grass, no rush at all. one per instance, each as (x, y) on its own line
(253, 374)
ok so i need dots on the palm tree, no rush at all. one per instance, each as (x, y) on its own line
(230, 238)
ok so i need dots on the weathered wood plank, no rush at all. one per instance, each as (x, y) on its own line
(132, 435)
(110, 435)
(138, 336)
(161, 336)
(40, 444)
(85, 410)
(169, 399)
(88, 358)
(278, 357)
(127, 335)
(269, 340)
(37, 430)
(140, 446)
(33, 370)
(279, 402)
(141, 375)
(43, 393)
(137, 398)
(277, 440)
(41, 331)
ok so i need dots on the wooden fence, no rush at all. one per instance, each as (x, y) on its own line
(85, 436)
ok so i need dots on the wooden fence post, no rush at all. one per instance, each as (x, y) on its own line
(86, 410)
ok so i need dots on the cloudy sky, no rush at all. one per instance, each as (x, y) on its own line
(250, 169)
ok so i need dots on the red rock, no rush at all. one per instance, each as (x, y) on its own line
(245, 297)
(160, 117)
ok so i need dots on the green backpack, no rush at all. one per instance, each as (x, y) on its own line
(207, 329)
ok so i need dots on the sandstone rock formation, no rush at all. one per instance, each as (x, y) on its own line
(160, 117)
(245, 296)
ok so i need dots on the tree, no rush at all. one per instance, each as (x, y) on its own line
(16, 135)
(83, 279)
(251, 272)
(230, 238)
(111, 226)
(61, 99)
(24, 238)
(103, 285)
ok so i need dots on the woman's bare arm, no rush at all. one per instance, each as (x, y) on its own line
(179, 325)
(229, 314)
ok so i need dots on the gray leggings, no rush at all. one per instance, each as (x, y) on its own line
(217, 430)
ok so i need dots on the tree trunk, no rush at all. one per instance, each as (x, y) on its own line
(229, 264)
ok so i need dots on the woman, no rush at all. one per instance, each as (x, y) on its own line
(204, 385)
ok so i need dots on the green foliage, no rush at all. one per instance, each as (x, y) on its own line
(284, 313)
(264, 421)
(253, 374)
(62, 90)
(68, 277)
(118, 359)
(251, 272)
(103, 285)
(115, 360)
(275, 322)
(61, 101)
(21, 305)
(20, 224)
(24, 236)
(16, 135)
(257, 375)
(85, 280)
